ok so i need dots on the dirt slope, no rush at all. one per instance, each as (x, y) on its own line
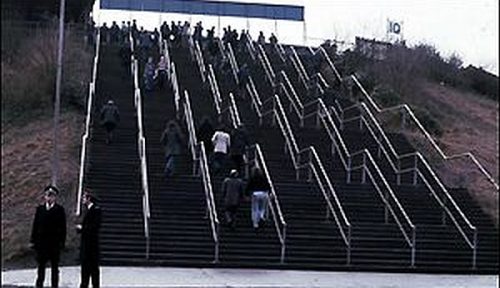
(26, 170)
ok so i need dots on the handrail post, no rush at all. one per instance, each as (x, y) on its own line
(318, 115)
(474, 250)
(415, 167)
(349, 165)
(398, 173)
(309, 176)
(413, 248)
(349, 245)
(363, 174)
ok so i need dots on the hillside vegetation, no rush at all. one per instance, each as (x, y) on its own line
(28, 85)
(458, 106)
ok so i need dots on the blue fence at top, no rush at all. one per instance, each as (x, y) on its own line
(201, 7)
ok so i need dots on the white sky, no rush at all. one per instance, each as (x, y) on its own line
(468, 28)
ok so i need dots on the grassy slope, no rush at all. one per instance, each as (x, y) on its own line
(470, 124)
(26, 170)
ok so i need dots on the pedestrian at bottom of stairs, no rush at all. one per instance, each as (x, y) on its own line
(232, 192)
(89, 245)
(48, 236)
(258, 187)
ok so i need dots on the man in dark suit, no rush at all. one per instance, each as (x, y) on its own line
(89, 246)
(48, 235)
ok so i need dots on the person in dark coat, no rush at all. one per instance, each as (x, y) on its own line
(171, 139)
(205, 132)
(258, 187)
(48, 235)
(232, 192)
(110, 117)
(239, 139)
(89, 245)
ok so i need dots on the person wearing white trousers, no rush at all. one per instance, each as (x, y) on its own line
(259, 188)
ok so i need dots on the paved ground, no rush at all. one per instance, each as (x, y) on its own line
(121, 277)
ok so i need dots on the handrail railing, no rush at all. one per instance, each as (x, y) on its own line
(347, 159)
(266, 65)
(166, 53)
(214, 87)
(278, 218)
(209, 196)
(319, 176)
(199, 155)
(86, 134)
(200, 61)
(447, 197)
(175, 88)
(233, 63)
(141, 143)
(235, 115)
(301, 71)
(409, 111)
(294, 152)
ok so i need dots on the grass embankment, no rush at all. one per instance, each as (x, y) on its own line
(448, 102)
(28, 85)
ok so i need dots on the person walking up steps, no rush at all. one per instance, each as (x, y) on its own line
(109, 119)
(221, 141)
(232, 192)
(258, 188)
(171, 139)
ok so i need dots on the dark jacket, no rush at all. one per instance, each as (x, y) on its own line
(257, 182)
(232, 191)
(49, 228)
(89, 246)
(239, 141)
(172, 141)
(109, 114)
(205, 132)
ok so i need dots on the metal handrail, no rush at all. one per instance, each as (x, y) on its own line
(175, 87)
(214, 87)
(235, 115)
(86, 134)
(335, 136)
(201, 157)
(141, 143)
(410, 112)
(280, 116)
(221, 47)
(267, 66)
(302, 71)
(209, 196)
(167, 56)
(366, 110)
(330, 63)
(416, 171)
(346, 235)
(233, 63)
(250, 47)
(200, 61)
(279, 219)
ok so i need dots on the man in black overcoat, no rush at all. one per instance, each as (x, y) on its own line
(89, 246)
(48, 235)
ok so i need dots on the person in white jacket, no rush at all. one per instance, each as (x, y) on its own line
(221, 142)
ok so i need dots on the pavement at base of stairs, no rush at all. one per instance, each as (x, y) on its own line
(153, 277)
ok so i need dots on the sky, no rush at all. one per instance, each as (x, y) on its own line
(467, 28)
